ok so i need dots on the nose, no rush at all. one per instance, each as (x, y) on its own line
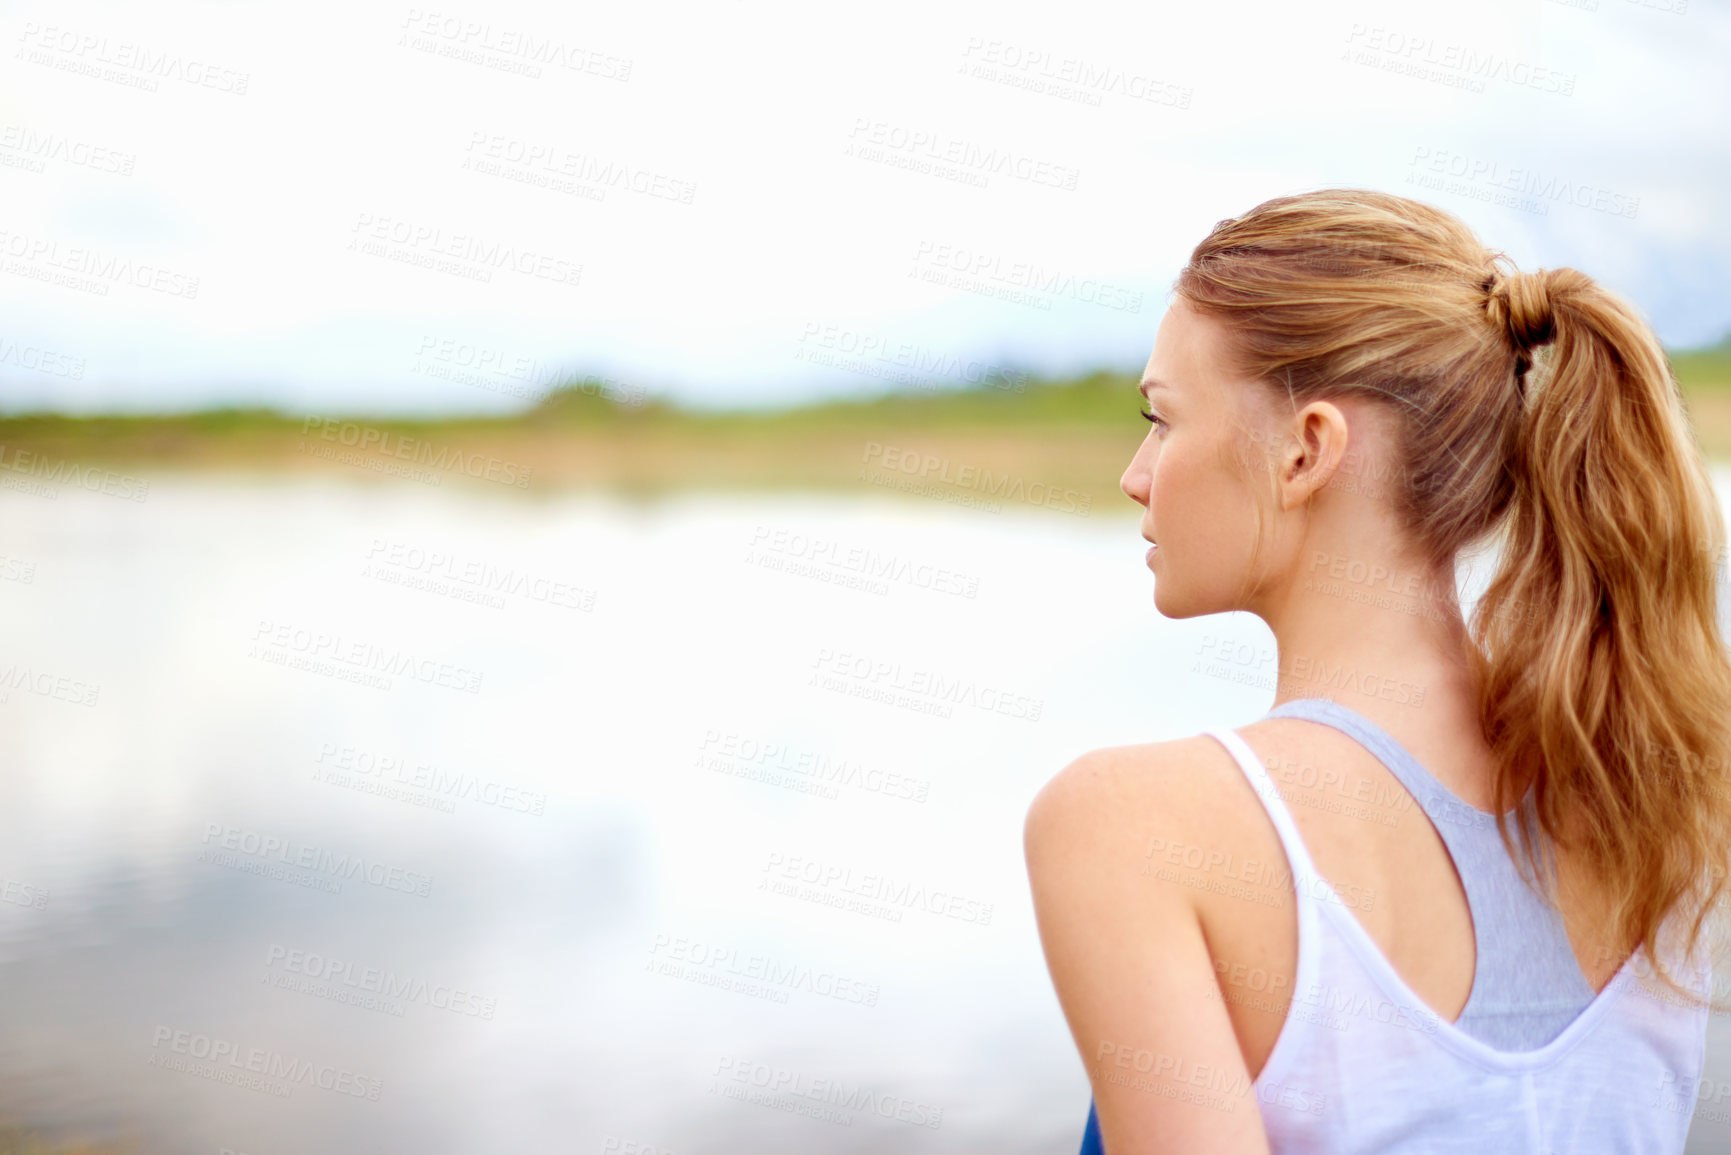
(1138, 479)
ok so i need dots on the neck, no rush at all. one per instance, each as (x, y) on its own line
(1387, 640)
(1373, 634)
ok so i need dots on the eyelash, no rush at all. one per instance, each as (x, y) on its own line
(1153, 420)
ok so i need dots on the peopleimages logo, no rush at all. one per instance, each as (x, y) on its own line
(822, 553)
(504, 47)
(748, 757)
(969, 262)
(927, 469)
(927, 691)
(23, 894)
(918, 148)
(1070, 77)
(798, 1085)
(50, 470)
(873, 887)
(44, 253)
(60, 686)
(465, 254)
(443, 571)
(345, 867)
(36, 148)
(698, 961)
(210, 1054)
(344, 980)
(1432, 166)
(417, 451)
(39, 360)
(372, 769)
(283, 643)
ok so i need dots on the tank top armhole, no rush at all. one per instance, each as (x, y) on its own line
(1290, 1039)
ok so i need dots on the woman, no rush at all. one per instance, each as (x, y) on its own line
(1407, 910)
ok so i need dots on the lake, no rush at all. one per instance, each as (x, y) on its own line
(396, 818)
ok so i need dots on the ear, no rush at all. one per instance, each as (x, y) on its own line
(1314, 454)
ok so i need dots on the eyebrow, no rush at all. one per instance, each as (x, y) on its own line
(1149, 384)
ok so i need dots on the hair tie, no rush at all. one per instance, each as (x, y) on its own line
(1520, 305)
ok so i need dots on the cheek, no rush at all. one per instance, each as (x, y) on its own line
(1172, 490)
(1198, 506)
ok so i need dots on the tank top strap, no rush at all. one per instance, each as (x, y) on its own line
(1305, 876)
(1431, 795)
(1469, 833)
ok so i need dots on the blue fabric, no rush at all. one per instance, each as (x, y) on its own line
(1091, 1134)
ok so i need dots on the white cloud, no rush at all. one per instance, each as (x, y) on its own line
(356, 122)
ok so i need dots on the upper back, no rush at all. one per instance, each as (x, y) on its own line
(1427, 876)
(1380, 960)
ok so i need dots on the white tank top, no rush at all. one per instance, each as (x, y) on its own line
(1363, 1067)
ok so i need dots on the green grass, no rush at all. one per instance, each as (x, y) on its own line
(1099, 398)
(1704, 369)
(1103, 398)
(1052, 421)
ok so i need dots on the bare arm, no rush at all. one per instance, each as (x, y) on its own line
(1130, 962)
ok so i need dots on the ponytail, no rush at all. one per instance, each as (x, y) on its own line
(1603, 678)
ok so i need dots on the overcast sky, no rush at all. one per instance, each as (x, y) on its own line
(347, 207)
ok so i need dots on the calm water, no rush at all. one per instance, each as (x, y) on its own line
(399, 819)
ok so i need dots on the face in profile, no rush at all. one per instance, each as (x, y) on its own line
(1194, 474)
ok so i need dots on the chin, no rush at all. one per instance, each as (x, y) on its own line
(1172, 602)
(1168, 605)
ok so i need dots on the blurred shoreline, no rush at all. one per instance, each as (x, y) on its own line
(1054, 442)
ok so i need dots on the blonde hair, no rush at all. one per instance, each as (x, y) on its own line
(1540, 404)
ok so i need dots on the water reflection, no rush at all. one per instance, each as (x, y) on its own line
(364, 819)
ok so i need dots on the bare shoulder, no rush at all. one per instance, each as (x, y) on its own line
(1124, 792)
(1126, 948)
(1095, 831)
